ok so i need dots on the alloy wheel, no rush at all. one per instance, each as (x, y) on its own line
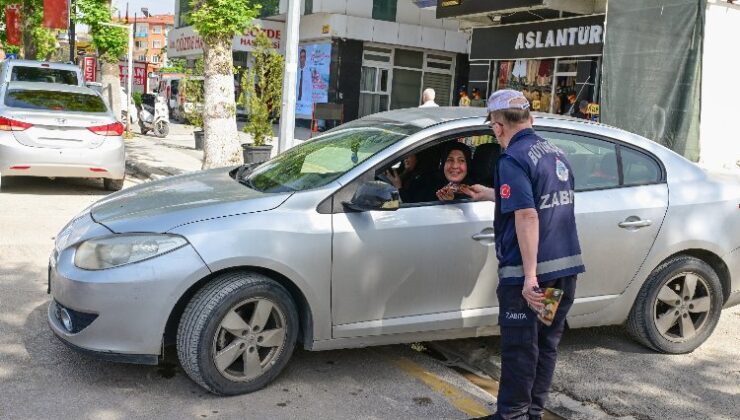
(249, 339)
(682, 307)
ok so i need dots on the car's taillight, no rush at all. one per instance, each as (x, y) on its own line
(115, 129)
(6, 124)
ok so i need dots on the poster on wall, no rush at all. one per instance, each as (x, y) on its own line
(312, 80)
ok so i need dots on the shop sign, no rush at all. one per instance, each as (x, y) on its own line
(455, 8)
(140, 73)
(556, 38)
(89, 68)
(185, 42)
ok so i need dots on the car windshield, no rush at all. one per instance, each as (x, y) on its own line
(43, 74)
(54, 101)
(320, 161)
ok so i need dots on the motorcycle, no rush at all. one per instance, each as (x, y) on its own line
(154, 115)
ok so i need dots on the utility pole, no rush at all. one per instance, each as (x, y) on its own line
(71, 32)
(287, 114)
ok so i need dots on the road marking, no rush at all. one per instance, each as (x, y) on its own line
(457, 398)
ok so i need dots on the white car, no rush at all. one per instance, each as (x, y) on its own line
(55, 130)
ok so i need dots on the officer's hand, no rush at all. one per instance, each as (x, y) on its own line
(533, 298)
(479, 193)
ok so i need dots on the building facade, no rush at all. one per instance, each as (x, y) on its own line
(655, 69)
(150, 38)
(369, 56)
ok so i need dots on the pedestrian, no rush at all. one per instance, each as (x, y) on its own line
(477, 100)
(582, 111)
(537, 247)
(427, 98)
(464, 99)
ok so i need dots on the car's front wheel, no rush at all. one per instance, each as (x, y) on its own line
(678, 306)
(237, 333)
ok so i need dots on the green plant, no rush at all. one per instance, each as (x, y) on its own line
(137, 98)
(111, 42)
(192, 90)
(262, 89)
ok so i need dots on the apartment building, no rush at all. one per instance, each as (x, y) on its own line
(150, 38)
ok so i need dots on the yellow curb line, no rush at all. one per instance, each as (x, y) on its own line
(457, 398)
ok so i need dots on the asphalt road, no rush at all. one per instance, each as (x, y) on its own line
(40, 378)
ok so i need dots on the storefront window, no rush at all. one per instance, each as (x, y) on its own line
(532, 77)
(406, 90)
(558, 86)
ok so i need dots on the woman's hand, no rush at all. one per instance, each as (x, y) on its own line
(479, 192)
(394, 177)
(445, 194)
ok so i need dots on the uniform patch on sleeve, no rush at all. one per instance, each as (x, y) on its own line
(505, 191)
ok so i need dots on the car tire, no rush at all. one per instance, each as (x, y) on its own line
(113, 184)
(667, 316)
(220, 334)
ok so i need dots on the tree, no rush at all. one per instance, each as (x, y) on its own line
(217, 22)
(39, 43)
(111, 44)
(262, 89)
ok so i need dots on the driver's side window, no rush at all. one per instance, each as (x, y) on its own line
(438, 173)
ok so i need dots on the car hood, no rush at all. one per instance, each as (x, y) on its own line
(162, 205)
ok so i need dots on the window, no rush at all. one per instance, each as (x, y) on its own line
(141, 58)
(157, 44)
(320, 161)
(54, 101)
(373, 90)
(142, 44)
(155, 59)
(594, 162)
(408, 58)
(385, 10)
(638, 168)
(43, 74)
(406, 89)
(309, 7)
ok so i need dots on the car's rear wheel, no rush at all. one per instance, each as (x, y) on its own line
(237, 333)
(678, 307)
(113, 184)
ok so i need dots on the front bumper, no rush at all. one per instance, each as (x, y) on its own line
(132, 303)
(108, 160)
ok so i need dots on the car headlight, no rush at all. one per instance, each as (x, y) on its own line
(116, 250)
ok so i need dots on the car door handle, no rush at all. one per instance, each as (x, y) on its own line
(484, 236)
(635, 223)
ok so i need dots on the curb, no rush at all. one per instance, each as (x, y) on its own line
(488, 364)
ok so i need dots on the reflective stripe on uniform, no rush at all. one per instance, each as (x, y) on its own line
(542, 267)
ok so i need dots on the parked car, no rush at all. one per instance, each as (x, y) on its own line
(54, 130)
(125, 110)
(238, 265)
(40, 71)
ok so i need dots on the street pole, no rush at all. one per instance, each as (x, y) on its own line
(287, 114)
(130, 75)
(130, 66)
(71, 32)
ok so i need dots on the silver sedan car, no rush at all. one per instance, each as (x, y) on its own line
(238, 265)
(58, 130)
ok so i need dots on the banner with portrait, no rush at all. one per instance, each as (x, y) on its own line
(312, 78)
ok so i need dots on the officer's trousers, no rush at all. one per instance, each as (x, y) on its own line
(528, 350)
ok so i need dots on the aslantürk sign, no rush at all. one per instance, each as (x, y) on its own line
(571, 37)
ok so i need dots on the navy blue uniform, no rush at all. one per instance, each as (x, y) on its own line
(532, 173)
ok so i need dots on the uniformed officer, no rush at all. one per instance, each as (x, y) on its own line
(536, 245)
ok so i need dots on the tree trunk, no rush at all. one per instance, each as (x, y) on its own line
(27, 27)
(221, 145)
(111, 87)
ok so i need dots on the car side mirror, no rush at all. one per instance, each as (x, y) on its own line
(375, 195)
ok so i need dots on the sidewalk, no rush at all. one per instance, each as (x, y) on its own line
(149, 157)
